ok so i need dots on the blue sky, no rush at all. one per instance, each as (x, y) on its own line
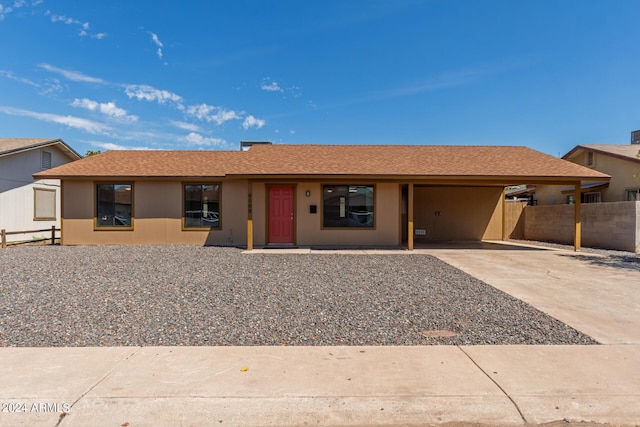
(548, 74)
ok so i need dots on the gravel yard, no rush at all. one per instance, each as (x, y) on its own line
(188, 295)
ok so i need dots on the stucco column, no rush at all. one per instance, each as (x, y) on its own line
(250, 216)
(410, 219)
(577, 202)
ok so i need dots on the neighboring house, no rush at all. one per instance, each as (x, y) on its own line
(621, 162)
(28, 204)
(305, 195)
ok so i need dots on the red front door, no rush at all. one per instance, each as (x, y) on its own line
(280, 215)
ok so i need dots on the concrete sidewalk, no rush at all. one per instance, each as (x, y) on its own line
(505, 385)
(201, 386)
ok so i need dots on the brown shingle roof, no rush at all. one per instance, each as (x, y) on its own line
(16, 145)
(150, 164)
(331, 160)
(411, 160)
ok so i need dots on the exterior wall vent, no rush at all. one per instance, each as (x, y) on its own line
(635, 137)
(45, 160)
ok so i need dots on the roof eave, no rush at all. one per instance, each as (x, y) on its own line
(495, 179)
(606, 153)
(70, 151)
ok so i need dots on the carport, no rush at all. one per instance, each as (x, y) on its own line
(438, 211)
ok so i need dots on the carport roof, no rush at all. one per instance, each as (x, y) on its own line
(509, 163)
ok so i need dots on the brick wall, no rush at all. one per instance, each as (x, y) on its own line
(605, 225)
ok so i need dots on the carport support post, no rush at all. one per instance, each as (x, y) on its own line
(249, 217)
(577, 234)
(410, 219)
(504, 214)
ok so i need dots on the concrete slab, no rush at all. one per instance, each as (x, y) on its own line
(292, 411)
(577, 383)
(599, 300)
(278, 251)
(295, 386)
(39, 384)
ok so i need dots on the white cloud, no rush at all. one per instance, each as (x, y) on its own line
(5, 10)
(70, 121)
(251, 121)
(211, 113)
(271, 86)
(149, 93)
(71, 75)
(10, 75)
(107, 108)
(186, 126)
(199, 140)
(158, 43)
(112, 146)
(69, 21)
(83, 26)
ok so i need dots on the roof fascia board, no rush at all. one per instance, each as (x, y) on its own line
(418, 179)
(44, 175)
(71, 152)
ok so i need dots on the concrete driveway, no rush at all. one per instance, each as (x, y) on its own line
(596, 295)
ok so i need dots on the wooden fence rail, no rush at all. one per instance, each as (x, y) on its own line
(4, 233)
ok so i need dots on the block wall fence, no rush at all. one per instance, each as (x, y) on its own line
(614, 225)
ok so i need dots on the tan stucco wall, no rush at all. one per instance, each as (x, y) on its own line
(157, 210)
(458, 213)
(465, 214)
(308, 226)
(622, 177)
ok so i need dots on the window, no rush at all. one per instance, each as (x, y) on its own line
(114, 205)
(594, 197)
(590, 159)
(347, 206)
(201, 206)
(632, 195)
(44, 204)
(45, 160)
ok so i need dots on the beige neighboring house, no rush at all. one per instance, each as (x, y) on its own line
(27, 203)
(621, 162)
(274, 195)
